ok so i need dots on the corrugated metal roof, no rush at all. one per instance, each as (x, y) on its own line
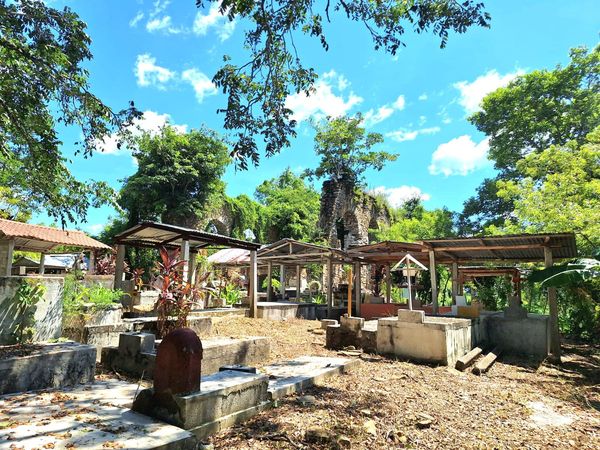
(38, 238)
(230, 257)
(153, 234)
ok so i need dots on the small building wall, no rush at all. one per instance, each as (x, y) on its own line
(48, 312)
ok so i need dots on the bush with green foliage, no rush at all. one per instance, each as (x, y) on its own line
(26, 298)
(79, 298)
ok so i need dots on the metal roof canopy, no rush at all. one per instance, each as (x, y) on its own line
(290, 251)
(155, 234)
(39, 238)
(513, 248)
(388, 252)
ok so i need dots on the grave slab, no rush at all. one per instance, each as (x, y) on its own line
(91, 416)
(289, 377)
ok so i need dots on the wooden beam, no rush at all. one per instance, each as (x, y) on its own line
(253, 284)
(388, 283)
(282, 280)
(329, 287)
(298, 282)
(433, 275)
(553, 305)
(454, 282)
(488, 248)
(119, 266)
(42, 268)
(350, 292)
(269, 280)
(185, 256)
(357, 288)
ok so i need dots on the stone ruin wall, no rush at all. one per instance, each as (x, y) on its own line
(358, 213)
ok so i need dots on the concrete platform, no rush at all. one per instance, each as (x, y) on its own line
(48, 366)
(93, 416)
(289, 377)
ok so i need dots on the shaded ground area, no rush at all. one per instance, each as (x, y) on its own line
(395, 404)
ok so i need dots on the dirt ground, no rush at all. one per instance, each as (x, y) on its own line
(396, 404)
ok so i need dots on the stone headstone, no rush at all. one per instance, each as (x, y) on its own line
(178, 363)
(131, 344)
(415, 316)
(515, 310)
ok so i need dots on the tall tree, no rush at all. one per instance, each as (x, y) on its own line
(43, 85)
(535, 111)
(558, 190)
(291, 207)
(178, 176)
(257, 89)
(345, 146)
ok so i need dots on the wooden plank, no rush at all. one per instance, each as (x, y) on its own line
(484, 364)
(466, 360)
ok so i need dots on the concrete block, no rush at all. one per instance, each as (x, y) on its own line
(131, 344)
(49, 366)
(352, 323)
(405, 315)
(326, 322)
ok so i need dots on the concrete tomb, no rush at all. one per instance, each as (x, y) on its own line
(179, 398)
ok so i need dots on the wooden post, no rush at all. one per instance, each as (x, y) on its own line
(357, 288)
(434, 293)
(91, 263)
(298, 282)
(119, 266)
(42, 268)
(552, 303)
(253, 282)
(192, 268)
(185, 256)
(282, 280)
(388, 283)
(454, 282)
(408, 274)
(329, 287)
(269, 280)
(350, 292)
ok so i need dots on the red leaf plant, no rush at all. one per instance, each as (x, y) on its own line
(176, 296)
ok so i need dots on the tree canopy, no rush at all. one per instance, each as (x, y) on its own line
(43, 85)
(178, 176)
(558, 190)
(344, 146)
(291, 208)
(257, 88)
(533, 112)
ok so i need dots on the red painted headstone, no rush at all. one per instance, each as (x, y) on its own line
(178, 363)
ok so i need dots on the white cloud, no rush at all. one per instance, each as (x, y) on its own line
(400, 103)
(423, 97)
(374, 117)
(322, 101)
(472, 93)
(460, 156)
(410, 135)
(150, 74)
(202, 85)
(95, 228)
(164, 24)
(139, 16)
(214, 19)
(151, 122)
(397, 196)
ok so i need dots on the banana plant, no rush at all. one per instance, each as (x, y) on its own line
(570, 274)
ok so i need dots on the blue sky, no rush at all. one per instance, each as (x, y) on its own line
(163, 55)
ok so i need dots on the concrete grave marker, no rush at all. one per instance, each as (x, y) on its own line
(178, 363)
